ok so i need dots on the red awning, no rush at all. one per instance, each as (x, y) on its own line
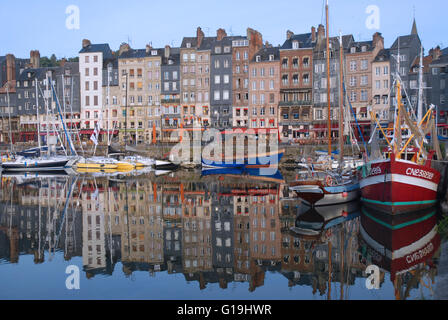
(86, 131)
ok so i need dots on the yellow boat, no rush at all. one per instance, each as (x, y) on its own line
(87, 170)
(125, 166)
(96, 166)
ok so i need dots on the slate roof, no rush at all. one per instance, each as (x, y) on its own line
(139, 53)
(359, 44)
(265, 52)
(405, 41)
(174, 55)
(104, 48)
(305, 41)
(383, 55)
(347, 41)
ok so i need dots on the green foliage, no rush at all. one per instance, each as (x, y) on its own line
(45, 62)
(53, 61)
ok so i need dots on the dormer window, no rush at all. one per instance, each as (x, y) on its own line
(271, 57)
(218, 50)
(257, 58)
(295, 45)
(170, 61)
(352, 50)
(29, 74)
(364, 49)
(154, 52)
(188, 45)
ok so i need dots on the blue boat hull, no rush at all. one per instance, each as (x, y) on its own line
(270, 160)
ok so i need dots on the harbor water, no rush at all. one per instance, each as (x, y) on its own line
(190, 235)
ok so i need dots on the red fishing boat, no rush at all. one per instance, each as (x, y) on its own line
(402, 180)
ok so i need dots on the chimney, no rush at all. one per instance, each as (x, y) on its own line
(435, 53)
(148, 48)
(313, 34)
(289, 34)
(85, 43)
(10, 67)
(124, 47)
(378, 40)
(255, 42)
(167, 51)
(35, 59)
(199, 36)
(320, 33)
(220, 34)
(268, 45)
(62, 62)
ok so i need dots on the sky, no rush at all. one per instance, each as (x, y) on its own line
(29, 25)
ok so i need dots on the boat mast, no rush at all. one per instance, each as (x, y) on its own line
(420, 88)
(109, 67)
(37, 113)
(48, 115)
(341, 102)
(328, 81)
(9, 118)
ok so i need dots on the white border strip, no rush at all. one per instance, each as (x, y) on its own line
(400, 178)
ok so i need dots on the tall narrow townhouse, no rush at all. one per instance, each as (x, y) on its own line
(381, 86)
(93, 59)
(359, 60)
(221, 81)
(264, 90)
(296, 106)
(140, 75)
(153, 88)
(10, 69)
(171, 91)
(195, 57)
(438, 70)
(243, 51)
(320, 131)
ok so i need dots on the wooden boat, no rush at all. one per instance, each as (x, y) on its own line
(326, 188)
(262, 160)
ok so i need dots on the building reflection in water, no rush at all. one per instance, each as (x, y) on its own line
(213, 230)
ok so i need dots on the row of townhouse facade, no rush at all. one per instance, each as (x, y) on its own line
(227, 82)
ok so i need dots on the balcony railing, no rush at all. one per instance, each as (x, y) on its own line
(177, 101)
(296, 103)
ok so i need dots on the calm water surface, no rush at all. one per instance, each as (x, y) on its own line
(190, 236)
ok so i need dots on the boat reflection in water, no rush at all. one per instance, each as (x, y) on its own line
(191, 232)
(403, 245)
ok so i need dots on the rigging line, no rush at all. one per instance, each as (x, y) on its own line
(356, 120)
(62, 119)
(56, 132)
